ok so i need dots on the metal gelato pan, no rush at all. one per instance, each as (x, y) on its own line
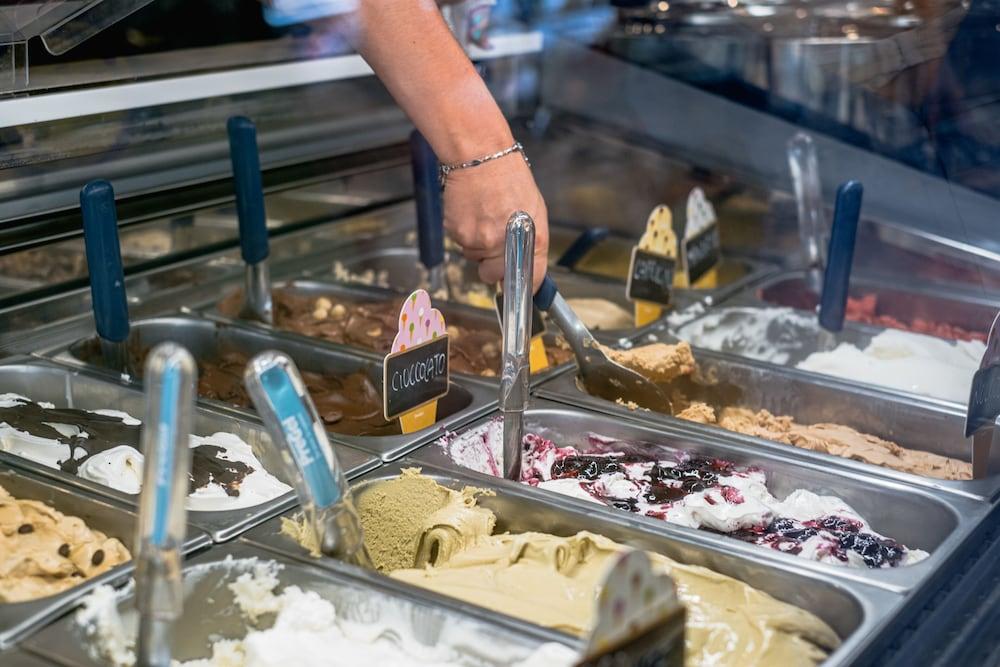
(610, 258)
(905, 303)
(41, 380)
(210, 610)
(853, 609)
(393, 267)
(457, 314)
(211, 339)
(18, 619)
(914, 423)
(914, 516)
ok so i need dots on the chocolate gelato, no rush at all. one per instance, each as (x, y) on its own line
(44, 552)
(348, 404)
(666, 364)
(475, 350)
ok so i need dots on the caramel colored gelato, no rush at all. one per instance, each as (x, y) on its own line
(44, 552)
(423, 533)
(665, 364)
(659, 362)
(475, 350)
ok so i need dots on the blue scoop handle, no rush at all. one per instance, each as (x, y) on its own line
(427, 192)
(546, 294)
(104, 260)
(582, 245)
(840, 256)
(249, 189)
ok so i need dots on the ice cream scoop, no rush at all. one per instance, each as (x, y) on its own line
(601, 376)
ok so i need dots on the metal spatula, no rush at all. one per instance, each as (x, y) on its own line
(984, 404)
(840, 259)
(430, 212)
(600, 375)
(243, 153)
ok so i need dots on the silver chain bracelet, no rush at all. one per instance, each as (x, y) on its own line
(446, 169)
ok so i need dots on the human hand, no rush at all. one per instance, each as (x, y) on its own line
(477, 204)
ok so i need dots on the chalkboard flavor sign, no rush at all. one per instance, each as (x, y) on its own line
(416, 370)
(702, 247)
(650, 277)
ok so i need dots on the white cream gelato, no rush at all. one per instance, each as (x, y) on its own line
(309, 630)
(908, 361)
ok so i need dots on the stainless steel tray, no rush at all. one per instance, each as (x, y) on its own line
(914, 516)
(914, 423)
(210, 614)
(18, 658)
(42, 380)
(736, 271)
(905, 302)
(399, 262)
(458, 314)
(796, 344)
(210, 338)
(18, 619)
(854, 609)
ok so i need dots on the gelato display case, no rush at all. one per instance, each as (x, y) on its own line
(802, 466)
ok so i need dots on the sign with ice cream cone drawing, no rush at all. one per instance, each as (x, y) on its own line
(415, 373)
(702, 247)
(651, 271)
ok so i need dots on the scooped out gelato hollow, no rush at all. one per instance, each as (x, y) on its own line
(303, 628)
(665, 363)
(696, 491)
(44, 552)
(426, 534)
(104, 447)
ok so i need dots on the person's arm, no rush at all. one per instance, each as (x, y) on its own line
(413, 52)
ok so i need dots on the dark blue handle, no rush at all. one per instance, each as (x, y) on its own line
(427, 193)
(582, 245)
(546, 293)
(104, 260)
(840, 256)
(249, 189)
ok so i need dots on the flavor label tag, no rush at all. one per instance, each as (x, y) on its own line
(166, 435)
(652, 267)
(415, 373)
(702, 247)
(650, 277)
(984, 399)
(309, 449)
(640, 621)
